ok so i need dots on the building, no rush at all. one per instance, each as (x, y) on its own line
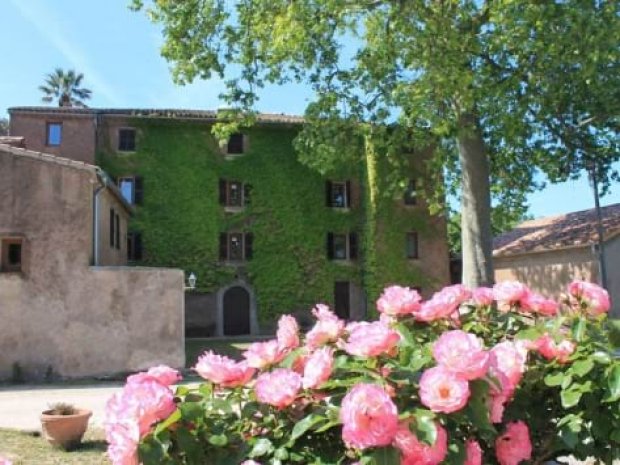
(264, 234)
(548, 253)
(69, 307)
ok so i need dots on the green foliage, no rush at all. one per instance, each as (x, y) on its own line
(4, 127)
(181, 218)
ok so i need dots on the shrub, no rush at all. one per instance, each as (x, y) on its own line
(499, 375)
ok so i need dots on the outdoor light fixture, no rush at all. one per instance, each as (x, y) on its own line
(191, 281)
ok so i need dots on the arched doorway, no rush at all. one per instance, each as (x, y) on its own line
(236, 311)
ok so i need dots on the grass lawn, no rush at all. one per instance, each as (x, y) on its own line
(230, 347)
(31, 449)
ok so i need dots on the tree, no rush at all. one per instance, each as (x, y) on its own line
(65, 87)
(4, 127)
(476, 79)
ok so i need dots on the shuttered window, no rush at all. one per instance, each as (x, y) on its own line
(233, 193)
(132, 189)
(342, 246)
(338, 194)
(11, 255)
(236, 246)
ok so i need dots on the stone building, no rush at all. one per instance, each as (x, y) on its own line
(69, 306)
(264, 234)
(549, 253)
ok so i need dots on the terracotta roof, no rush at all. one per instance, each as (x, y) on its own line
(208, 115)
(577, 229)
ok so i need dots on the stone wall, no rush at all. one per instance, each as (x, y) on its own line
(612, 262)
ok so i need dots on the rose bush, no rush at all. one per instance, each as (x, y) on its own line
(498, 375)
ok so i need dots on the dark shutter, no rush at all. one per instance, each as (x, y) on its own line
(223, 185)
(353, 246)
(247, 194)
(249, 244)
(328, 193)
(111, 227)
(138, 192)
(118, 232)
(223, 246)
(137, 246)
(348, 194)
(330, 246)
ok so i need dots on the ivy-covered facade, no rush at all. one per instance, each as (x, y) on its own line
(263, 233)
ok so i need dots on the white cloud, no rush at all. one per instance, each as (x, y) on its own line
(47, 25)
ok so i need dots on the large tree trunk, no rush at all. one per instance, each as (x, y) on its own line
(476, 235)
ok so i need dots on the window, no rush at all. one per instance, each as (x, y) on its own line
(412, 245)
(342, 246)
(410, 196)
(235, 144)
(236, 246)
(134, 246)
(131, 188)
(11, 255)
(126, 140)
(115, 229)
(234, 193)
(54, 134)
(338, 194)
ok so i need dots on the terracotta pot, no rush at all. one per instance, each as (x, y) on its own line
(65, 431)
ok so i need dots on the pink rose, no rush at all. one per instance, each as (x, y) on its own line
(514, 445)
(397, 300)
(415, 452)
(318, 368)
(250, 462)
(473, 453)
(509, 293)
(483, 296)
(443, 391)
(278, 387)
(461, 353)
(370, 339)
(165, 375)
(262, 354)
(536, 303)
(443, 304)
(4, 461)
(288, 332)
(123, 439)
(548, 348)
(223, 370)
(328, 327)
(509, 358)
(369, 417)
(595, 298)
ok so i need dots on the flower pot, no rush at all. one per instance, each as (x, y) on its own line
(65, 431)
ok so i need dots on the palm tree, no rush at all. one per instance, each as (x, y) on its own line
(66, 88)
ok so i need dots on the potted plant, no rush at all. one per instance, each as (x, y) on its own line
(63, 425)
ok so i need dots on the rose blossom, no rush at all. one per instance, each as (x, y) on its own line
(397, 300)
(500, 392)
(328, 327)
(318, 368)
(514, 445)
(509, 358)
(278, 387)
(483, 296)
(123, 438)
(595, 297)
(369, 417)
(250, 462)
(443, 303)
(461, 353)
(4, 461)
(223, 370)
(536, 303)
(509, 293)
(165, 375)
(443, 391)
(416, 452)
(473, 453)
(262, 354)
(370, 339)
(548, 348)
(288, 332)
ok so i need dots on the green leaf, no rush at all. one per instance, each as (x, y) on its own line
(305, 424)
(570, 398)
(582, 367)
(601, 357)
(615, 436)
(191, 446)
(171, 420)
(151, 453)
(613, 384)
(262, 447)
(554, 379)
(456, 453)
(386, 456)
(218, 440)
(570, 438)
(579, 329)
(407, 339)
(424, 426)
(192, 411)
(477, 410)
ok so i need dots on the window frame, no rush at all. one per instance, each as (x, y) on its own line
(239, 149)
(349, 237)
(48, 126)
(331, 191)
(5, 253)
(137, 188)
(410, 196)
(119, 147)
(246, 240)
(225, 189)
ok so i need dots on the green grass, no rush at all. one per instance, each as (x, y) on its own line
(31, 449)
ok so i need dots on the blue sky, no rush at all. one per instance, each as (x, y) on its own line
(118, 52)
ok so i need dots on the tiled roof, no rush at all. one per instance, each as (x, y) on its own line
(575, 229)
(208, 115)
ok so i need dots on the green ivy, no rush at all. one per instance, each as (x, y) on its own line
(180, 218)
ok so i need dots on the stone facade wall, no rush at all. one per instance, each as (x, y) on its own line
(109, 254)
(612, 262)
(78, 134)
(59, 314)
